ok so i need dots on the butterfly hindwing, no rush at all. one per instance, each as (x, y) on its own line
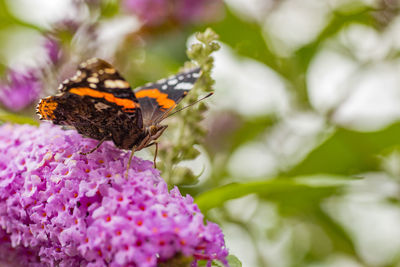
(162, 96)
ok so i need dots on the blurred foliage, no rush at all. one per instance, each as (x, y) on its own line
(15, 118)
(301, 184)
(9, 20)
(282, 190)
(359, 152)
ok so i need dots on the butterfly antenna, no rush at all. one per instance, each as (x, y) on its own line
(191, 104)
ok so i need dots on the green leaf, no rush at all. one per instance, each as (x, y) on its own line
(338, 236)
(7, 22)
(238, 131)
(295, 69)
(3, 67)
(361, 15)
(14, 118)
(250, 42)
(298, 198)
(349, 152)
(8, 19)
(233, 261)
(250, 130)
(109, 8)
(280, 189)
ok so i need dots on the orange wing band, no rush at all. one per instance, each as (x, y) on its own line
(123, 102)
(161, 98)
(46, 108)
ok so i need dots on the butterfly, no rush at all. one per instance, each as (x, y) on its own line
(100, 104)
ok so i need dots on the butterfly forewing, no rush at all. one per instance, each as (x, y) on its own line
(98, 102)
(162, 96)
(97, 74)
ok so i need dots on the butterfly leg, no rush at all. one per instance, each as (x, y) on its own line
(136, 148)
(155, 153)
(129, 161)
(96, 147)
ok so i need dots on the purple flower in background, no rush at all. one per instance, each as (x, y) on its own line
(153, 12)
(20, 89)
(52, 49)
(61, 208)
(197, 11)
(157, 12)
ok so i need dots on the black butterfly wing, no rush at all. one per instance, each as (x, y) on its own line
(101, 76)
(156, 99)
(98, 102)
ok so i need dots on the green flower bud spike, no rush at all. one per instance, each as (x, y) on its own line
(187, 130)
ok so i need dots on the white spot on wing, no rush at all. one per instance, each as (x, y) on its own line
(173, 81)
(164, 87)
(93, 79)
(162, 81)
(92, 85)
(109, 83)
(78, 76)
(116, 84)
(121, 84)
(196, 74)
(183, 86)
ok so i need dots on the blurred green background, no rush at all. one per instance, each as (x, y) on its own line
(299, 161)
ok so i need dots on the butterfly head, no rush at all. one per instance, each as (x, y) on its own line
(152, 133)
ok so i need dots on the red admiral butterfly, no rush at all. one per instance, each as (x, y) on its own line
(101, 105)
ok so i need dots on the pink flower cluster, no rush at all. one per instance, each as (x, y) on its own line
(157, 12)
(61, 208)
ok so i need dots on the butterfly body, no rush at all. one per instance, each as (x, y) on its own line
(100, 104)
